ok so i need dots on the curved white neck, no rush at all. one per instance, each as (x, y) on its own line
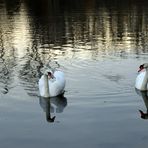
(46, 86)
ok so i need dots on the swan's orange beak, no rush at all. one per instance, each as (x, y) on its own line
(140, 69)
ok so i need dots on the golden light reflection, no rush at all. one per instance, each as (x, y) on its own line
(102, 32)
(106, 33)
(20, 33)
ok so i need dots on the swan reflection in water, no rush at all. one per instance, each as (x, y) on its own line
(53, 105)
(144, 94)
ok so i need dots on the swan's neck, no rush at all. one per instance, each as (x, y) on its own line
(46, 86)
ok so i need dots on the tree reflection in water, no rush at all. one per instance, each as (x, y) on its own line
(7, 66)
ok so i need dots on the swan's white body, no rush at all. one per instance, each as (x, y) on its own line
(142, 80)
(52, 87)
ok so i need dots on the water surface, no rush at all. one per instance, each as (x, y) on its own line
(99, 45)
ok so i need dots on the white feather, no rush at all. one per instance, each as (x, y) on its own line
(141, 80)
(56, 85)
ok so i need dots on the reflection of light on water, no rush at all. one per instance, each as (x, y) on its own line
(21, 35)
(14, 38)
(101, 35)
(99, 32)
(91, 35)
(127, 43)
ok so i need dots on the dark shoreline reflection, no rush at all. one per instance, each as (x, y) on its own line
(53, 106)
(88, 24)
(144, 95)
(100, 26)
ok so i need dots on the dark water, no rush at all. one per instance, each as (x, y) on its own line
(99, 45)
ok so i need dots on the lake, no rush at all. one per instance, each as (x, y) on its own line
(99, 45)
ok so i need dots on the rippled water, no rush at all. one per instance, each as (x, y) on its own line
(99, 45)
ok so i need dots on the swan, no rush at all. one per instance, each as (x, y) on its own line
(51, 83)
(142, 78)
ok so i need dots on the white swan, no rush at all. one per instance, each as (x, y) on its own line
(142, 78)
(51, 83)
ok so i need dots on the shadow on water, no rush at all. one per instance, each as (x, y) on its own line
(144, 95)
(53, 105)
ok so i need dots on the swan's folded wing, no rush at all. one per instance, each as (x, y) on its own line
(56, 88)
